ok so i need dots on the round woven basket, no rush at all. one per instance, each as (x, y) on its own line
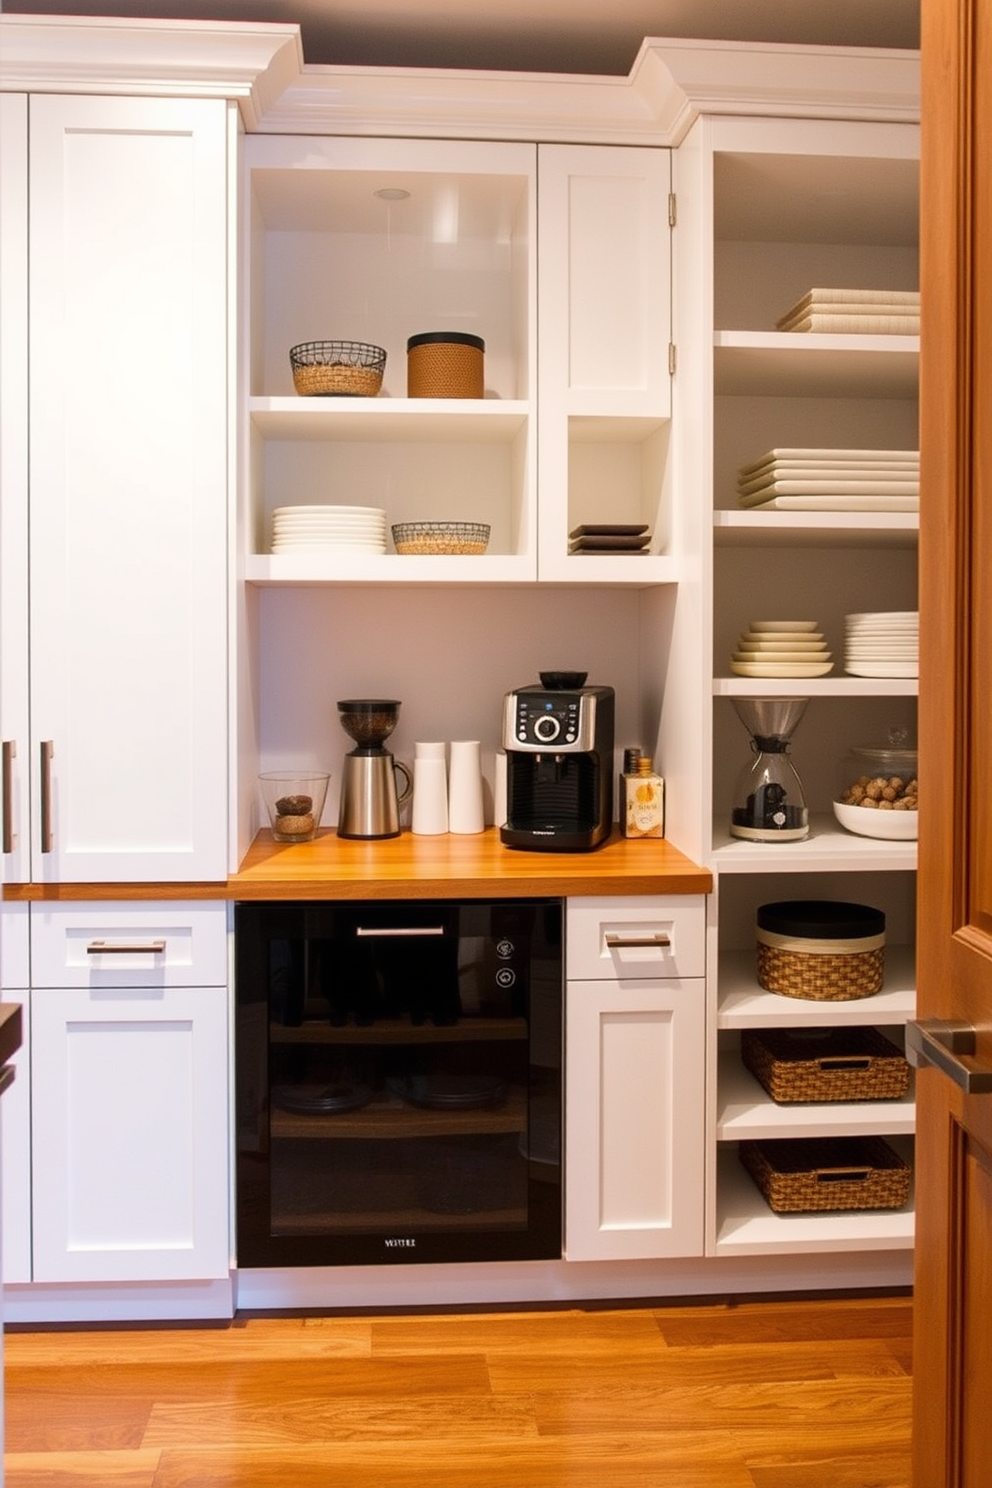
(820, 950)
(445, 364)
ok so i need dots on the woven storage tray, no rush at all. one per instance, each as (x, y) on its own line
(346, 369)
(822, 1174)
(825, 1064)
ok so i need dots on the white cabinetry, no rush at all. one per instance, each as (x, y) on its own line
(130, 1103)
(16, 1123)
(634, 1100)
(114, 693)
(767, 211)
(604, 277)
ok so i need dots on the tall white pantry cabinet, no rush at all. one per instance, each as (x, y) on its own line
(116, 414)
(629, 245)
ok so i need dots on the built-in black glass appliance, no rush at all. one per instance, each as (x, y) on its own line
(398, 1073)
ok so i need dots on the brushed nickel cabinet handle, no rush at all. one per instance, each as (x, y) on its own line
(119, 948)
(9, 755)
(949, 1047)
(47, 751)
(621, 942)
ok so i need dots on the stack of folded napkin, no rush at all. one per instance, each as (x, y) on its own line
(831, 480)
(888, 312)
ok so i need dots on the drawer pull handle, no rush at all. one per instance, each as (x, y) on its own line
(9, 755)
(363, 932)
(118, 948)
(622, 943)
(47, 752)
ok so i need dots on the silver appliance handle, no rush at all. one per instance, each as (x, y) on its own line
(388, 930)
(949, 1047)
(9, 755)
(621, 943)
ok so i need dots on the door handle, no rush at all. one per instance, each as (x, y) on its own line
(118, 948)
(47, 751)
(949, 1047)
(9, 755)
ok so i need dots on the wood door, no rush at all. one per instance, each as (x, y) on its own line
(953, 1342)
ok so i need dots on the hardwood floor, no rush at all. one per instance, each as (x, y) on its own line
(779, 1394)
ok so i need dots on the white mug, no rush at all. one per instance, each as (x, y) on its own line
(430, 791)
(465, 809)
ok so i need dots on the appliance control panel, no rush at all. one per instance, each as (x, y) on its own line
(542, 722)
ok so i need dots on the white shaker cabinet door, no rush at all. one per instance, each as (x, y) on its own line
(129, 1132)
(634, 1119)
(129, 429)
(15, 1104)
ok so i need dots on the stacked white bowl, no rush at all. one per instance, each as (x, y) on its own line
(781, 648)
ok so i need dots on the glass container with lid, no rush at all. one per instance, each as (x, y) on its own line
(878, 793)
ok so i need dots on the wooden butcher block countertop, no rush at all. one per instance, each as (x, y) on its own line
(413, 867)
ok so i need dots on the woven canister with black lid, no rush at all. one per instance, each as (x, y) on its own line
(445, 364)
(823, 949)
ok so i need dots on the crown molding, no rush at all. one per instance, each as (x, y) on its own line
(252, 64)
(671, 83)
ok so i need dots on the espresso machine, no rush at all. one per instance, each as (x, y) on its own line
(558, 738)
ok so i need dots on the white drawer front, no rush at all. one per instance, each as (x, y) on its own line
(133, 945)
(636, 937)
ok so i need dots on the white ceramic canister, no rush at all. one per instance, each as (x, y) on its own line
(466, 813)
(430, 790)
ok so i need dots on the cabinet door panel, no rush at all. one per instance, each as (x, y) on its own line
(634, 1120)
(14, 484)
(130, 1134)
(129, 435)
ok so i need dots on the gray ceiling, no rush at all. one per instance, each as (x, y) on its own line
(585, 36)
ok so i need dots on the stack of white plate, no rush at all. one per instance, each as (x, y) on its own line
(781, 648)
(885, 643)
(360, 529)
(831, 480)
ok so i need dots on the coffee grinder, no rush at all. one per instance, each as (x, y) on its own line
(769, 804)
(558, 738)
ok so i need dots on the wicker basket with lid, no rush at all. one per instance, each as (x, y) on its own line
(822, 949)
(445, 364)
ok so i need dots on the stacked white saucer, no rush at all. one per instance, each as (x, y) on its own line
(884, 643)
(781, 648)
(360, 529)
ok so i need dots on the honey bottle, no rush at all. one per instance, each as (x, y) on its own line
(644, 804)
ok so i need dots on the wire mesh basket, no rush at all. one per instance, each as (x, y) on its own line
(343, 369)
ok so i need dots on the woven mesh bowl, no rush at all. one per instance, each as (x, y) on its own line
(343, 369)
(441, 537)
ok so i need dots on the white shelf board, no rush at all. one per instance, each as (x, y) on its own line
(774, 529)
(813, 687)
(808, 365)
(745, 1225)
(644, 570)
(745, 1110)
(397, 420)
(741, 1003)
(264, 569)
(828, 849)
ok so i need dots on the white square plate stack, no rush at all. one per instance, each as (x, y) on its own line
(831, 480)
(858, 312)
(360, 529)
(781, 648)
(883, 643)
